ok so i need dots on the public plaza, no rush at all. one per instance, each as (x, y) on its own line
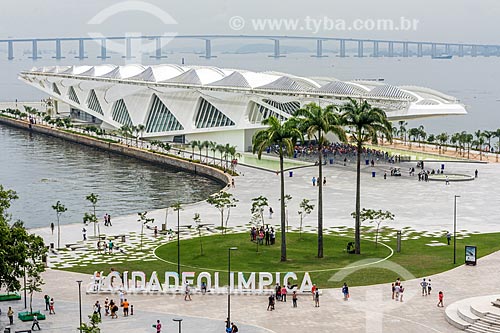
(420, 207)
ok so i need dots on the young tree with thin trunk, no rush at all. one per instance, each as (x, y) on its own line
(374, 216)
(305, 209)
(59, 209)
(93, 198)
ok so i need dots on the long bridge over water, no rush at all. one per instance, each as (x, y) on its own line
(343, 47)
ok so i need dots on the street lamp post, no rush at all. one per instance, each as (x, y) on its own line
(455, 230)
(228, 324)
(80, 302)
(179, 320)
(178, 245)
(25, 296)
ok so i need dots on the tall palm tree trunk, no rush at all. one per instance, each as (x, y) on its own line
(320, 203)
(357, 233)
(282, 203)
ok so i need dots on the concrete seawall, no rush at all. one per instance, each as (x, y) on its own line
(117, 148)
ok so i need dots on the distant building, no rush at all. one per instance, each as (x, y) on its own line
(185, 103)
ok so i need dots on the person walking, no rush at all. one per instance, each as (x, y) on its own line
(440, 298)
(51, 306)
(401, 291)
(35, 323)
(157, 326)
(234, 328)
(271, 212)
(345, 291)
(187, 293)
(448, 237)
(97, 308)
(10, 314)
(106, 307)
(52, 227)
(313, 180)
(270, 304)
(429, 288)
(84, 234)
(294, 299)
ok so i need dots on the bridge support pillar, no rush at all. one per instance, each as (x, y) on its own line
(390, 50)
(360, 49)
(447, 49)
(208, 49)
(158, 48)
(128, 49)
(81, 49)
(420, 53)
(277, 51)
(10, 50)
(342, 48)
(460, 50)
(375, 49)
(319, 49)
(474, 50)
(433, 50)
(405, 50)
(104, 50)
(34, 49)
(58, 50)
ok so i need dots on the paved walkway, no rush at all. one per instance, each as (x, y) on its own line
(419, 205)
(370, 308)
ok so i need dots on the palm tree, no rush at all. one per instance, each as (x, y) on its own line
(213, 148)
(193, 145)
(284, 135)
(421, 134)
(206, 144)
(442, 138)
(220, 149)
(479, 142)
(497, 135)
(466, 139)
(317, 122)
(141, 129)
(455, 140)
(402, 130)
(126, 131)
(488, 135)
(365, 123)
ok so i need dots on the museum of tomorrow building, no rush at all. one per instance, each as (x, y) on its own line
(185, 103)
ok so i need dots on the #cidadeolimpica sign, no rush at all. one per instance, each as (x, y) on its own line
(138, 282)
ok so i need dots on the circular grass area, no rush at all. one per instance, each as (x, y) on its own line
(301, 255)
(452, 177)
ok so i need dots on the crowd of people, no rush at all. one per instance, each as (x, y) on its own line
(261, 234)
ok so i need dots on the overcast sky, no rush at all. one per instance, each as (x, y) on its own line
(439, 20)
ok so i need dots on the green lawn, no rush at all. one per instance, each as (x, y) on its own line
(416, 257)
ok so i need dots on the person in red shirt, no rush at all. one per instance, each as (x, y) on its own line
(158, 326)
(313, 290)
(440, 297)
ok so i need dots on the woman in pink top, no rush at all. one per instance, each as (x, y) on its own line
(283, 294)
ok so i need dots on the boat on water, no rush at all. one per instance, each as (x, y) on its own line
(442, 56)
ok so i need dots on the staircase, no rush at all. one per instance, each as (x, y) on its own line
(475, 315)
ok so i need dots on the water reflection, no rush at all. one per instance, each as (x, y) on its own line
(43, 170)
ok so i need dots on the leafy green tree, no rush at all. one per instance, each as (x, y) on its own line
(479, 142)
(413, 133)
(374, 216)
(144, 221)
(19, 250)
(59, 208)
(258, 205)
(305, 209)
(317, 123)
(223, 201)
(93, 199)
(283, 136)
(365, 122)
(35, 251)
(92, 326)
